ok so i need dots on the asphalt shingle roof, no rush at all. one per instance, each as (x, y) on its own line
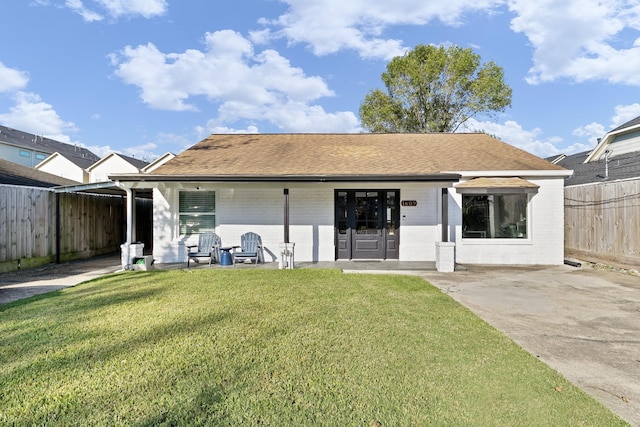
(350, 154)
(140, 164)
(15, 174)
(78, 155)
(623, 166)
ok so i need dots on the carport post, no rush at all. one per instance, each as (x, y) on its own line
(131, 210)
(126, 260)
(57, 228)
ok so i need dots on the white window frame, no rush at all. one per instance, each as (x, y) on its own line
(524, 221)
(198, 207)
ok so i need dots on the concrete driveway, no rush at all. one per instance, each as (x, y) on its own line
(583, 322)
(28, 282)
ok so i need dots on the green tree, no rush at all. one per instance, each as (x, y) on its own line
(434, 89)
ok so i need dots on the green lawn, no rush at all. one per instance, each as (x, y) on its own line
(277, 347)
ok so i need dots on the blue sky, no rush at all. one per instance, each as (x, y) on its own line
(144, 77)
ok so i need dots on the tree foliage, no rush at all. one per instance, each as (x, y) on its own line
(434, 89)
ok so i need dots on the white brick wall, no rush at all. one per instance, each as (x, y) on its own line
(260, 208)
(419, 225)
(311, 221)
(545, 245)
(253, 208)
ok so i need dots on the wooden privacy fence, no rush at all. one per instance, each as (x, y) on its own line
(602, 220)
(33, 232)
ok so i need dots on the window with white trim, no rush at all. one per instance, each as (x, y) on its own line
(494, 216)
(197, 211)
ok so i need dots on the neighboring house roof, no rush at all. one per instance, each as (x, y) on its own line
(621, 167)
(158, 162)
(15, 174)
(82, 163)
(630, 129)
(555, 159)
(78, 155)
(138, 164)
(268, 155)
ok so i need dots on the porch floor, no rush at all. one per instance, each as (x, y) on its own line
(382, 266)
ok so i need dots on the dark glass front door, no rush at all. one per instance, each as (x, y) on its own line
(367, 224)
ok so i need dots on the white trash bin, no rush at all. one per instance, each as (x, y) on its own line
(129, 252)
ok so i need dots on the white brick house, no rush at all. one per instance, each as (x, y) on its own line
(360, 196)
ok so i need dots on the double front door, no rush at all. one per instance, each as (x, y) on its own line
(367, 224)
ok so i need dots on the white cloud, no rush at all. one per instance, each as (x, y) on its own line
(144, 8)
(144, 152)
(172, 140)
(248, 85)
(31, 114)
(329, 26)
(213, 128)
(78, 7)
(594, 131)
(624, 113)
(591, 132)
(295, 117)
(98, 150)
(531, 141)
(580, 39)
(113, 8)
(12, 79)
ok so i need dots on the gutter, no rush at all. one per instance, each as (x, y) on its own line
(521, 173)
(84, 187)
(440, 177)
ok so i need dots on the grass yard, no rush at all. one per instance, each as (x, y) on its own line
(270, 347)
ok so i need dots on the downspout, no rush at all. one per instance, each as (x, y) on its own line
(445, 215)
(286, 215)
(129, 234)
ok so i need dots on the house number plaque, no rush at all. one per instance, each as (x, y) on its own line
(409, 203)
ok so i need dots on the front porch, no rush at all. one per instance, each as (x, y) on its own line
(368, 266)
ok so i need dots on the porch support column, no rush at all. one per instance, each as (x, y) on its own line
(445, 250)
(127, 252)
(126, 247)
(286, 215)
(286, 248)
(445, 215)
(131, 215)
